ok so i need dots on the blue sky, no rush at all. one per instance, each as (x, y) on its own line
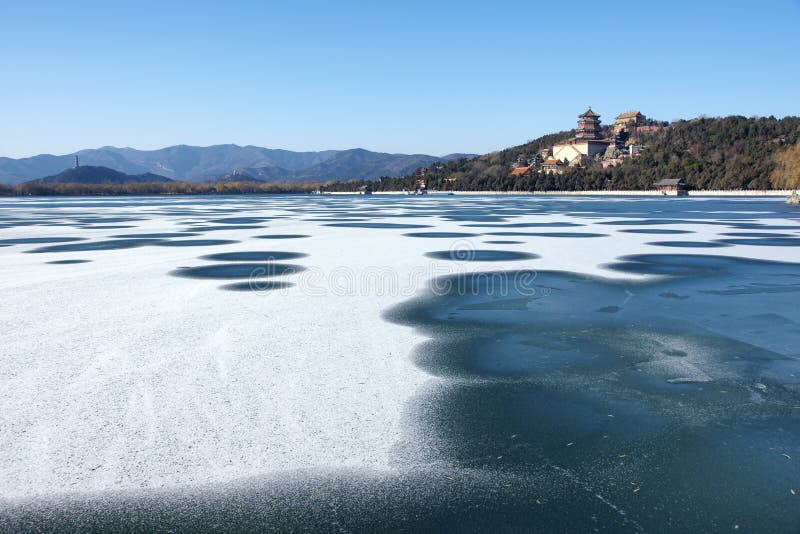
(427, 77)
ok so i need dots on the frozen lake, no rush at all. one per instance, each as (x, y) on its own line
(442, 363)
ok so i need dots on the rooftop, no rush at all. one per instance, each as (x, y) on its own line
(520, 170)
(589, 113)
(628, 115)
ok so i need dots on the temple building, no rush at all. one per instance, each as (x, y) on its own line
(588, 141)
(589, 126)
(672, 186)
(552, 166)
(628, 121)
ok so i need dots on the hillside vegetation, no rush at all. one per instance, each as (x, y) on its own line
(787, 167)
(38, 188)
(709, 153)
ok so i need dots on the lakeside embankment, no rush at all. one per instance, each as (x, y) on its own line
(653, 193)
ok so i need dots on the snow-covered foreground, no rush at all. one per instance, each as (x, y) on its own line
(116, 375)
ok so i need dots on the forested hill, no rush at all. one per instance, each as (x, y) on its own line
(709, 153)
(90, 174)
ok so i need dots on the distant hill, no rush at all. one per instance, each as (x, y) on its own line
(98, 175)
(356, 164)
(211, 163)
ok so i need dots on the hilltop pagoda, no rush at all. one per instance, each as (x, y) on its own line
(588, 126)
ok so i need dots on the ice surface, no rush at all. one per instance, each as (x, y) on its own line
(115, 375)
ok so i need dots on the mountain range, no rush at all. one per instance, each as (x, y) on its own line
(226, 162)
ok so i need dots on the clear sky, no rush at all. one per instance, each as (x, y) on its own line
(411, 76)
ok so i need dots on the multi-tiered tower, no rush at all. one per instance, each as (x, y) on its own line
(588, 126)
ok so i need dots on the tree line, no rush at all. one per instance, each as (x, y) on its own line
(156, 188)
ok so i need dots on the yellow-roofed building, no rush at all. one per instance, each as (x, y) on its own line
(628, 121)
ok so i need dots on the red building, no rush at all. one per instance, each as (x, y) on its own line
(588, 126)
(674, 186)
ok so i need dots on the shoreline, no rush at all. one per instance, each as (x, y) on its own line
(785, 193)
(621, 193)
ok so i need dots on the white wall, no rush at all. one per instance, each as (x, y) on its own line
(570, 152)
